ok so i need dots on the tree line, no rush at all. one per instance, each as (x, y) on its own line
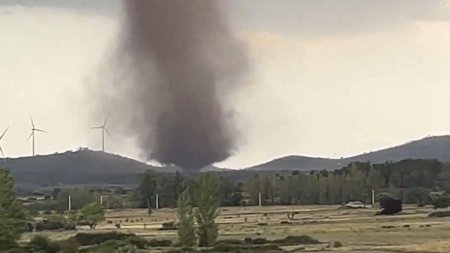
(409, 180)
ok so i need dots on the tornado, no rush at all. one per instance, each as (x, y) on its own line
(180, 62)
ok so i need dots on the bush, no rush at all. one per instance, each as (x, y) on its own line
(168, 226)
(42, 243)
(137, 241)
(108, 247)
(383, 195)
(159, 243)
(294, 240)
(417, 195)
(85, 239)
(69, 246)
(337, 244)
(259, 241)
(440, 202)
(439, 214)
(224, 247)
(55, 223)
(127, 249)
(233, 241)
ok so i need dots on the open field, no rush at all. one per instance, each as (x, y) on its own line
(357, 229)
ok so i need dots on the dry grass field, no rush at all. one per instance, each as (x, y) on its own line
(359, 230)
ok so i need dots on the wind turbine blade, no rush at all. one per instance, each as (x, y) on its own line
(40, 130)
(104, 123)
(3, 135)
(32, 122)
(1, 152)
(99, 127)
(31, 134)
(107, 132)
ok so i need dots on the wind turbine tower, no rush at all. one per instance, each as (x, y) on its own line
(33, 134)
(1, 137)
(104, 130)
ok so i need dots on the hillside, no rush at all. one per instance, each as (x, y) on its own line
(80, 167)
(437, 147)
(95, 167)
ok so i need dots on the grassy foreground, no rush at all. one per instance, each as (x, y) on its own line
(340, 230)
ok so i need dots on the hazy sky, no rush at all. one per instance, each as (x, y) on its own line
(329, 78)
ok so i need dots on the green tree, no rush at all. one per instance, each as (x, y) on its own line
(207, 201)
(12, 218)
(186, 230)
(440, 202)
(148, 188)
(93, 213)
(417, 195)
(79, 198)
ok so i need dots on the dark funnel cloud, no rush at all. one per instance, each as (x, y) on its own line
(179, 62)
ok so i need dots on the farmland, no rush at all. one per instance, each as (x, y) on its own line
(340, 230)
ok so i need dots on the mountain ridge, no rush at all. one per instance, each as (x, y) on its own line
(95, 167)
(434, 147)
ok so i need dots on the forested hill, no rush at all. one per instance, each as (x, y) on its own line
(437, 147)
(80, 168)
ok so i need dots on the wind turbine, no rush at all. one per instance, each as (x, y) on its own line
(33, 134)
(104, 130)
(1, 137)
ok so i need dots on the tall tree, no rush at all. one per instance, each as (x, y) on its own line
(93, 213)
(186, 229)
(148, 188)
(207, 201)
(12, 218)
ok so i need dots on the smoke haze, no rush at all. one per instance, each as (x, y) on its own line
(179, 62)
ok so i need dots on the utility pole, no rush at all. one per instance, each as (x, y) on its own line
(157, 202)
(373, 198)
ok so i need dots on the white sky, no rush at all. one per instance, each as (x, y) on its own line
(329, 78)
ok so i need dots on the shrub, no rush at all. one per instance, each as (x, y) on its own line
(42, 243)
(439, 214)
(293, 240)
(55, 223)
(137, 241)
(289, 240)
(417, 195)
(383, 195)
(233, 241)
(337, 244)
(260, 241)
(39, 242)
(85, 239)
(69, 246)
(159, 243)
(440, 202)
(224, 247)
(127, 249)
(168, 226)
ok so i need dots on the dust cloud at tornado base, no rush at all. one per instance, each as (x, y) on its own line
(175, 66)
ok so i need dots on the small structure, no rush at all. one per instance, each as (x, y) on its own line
(355, 205)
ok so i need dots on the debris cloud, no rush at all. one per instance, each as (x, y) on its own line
(179, 62)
